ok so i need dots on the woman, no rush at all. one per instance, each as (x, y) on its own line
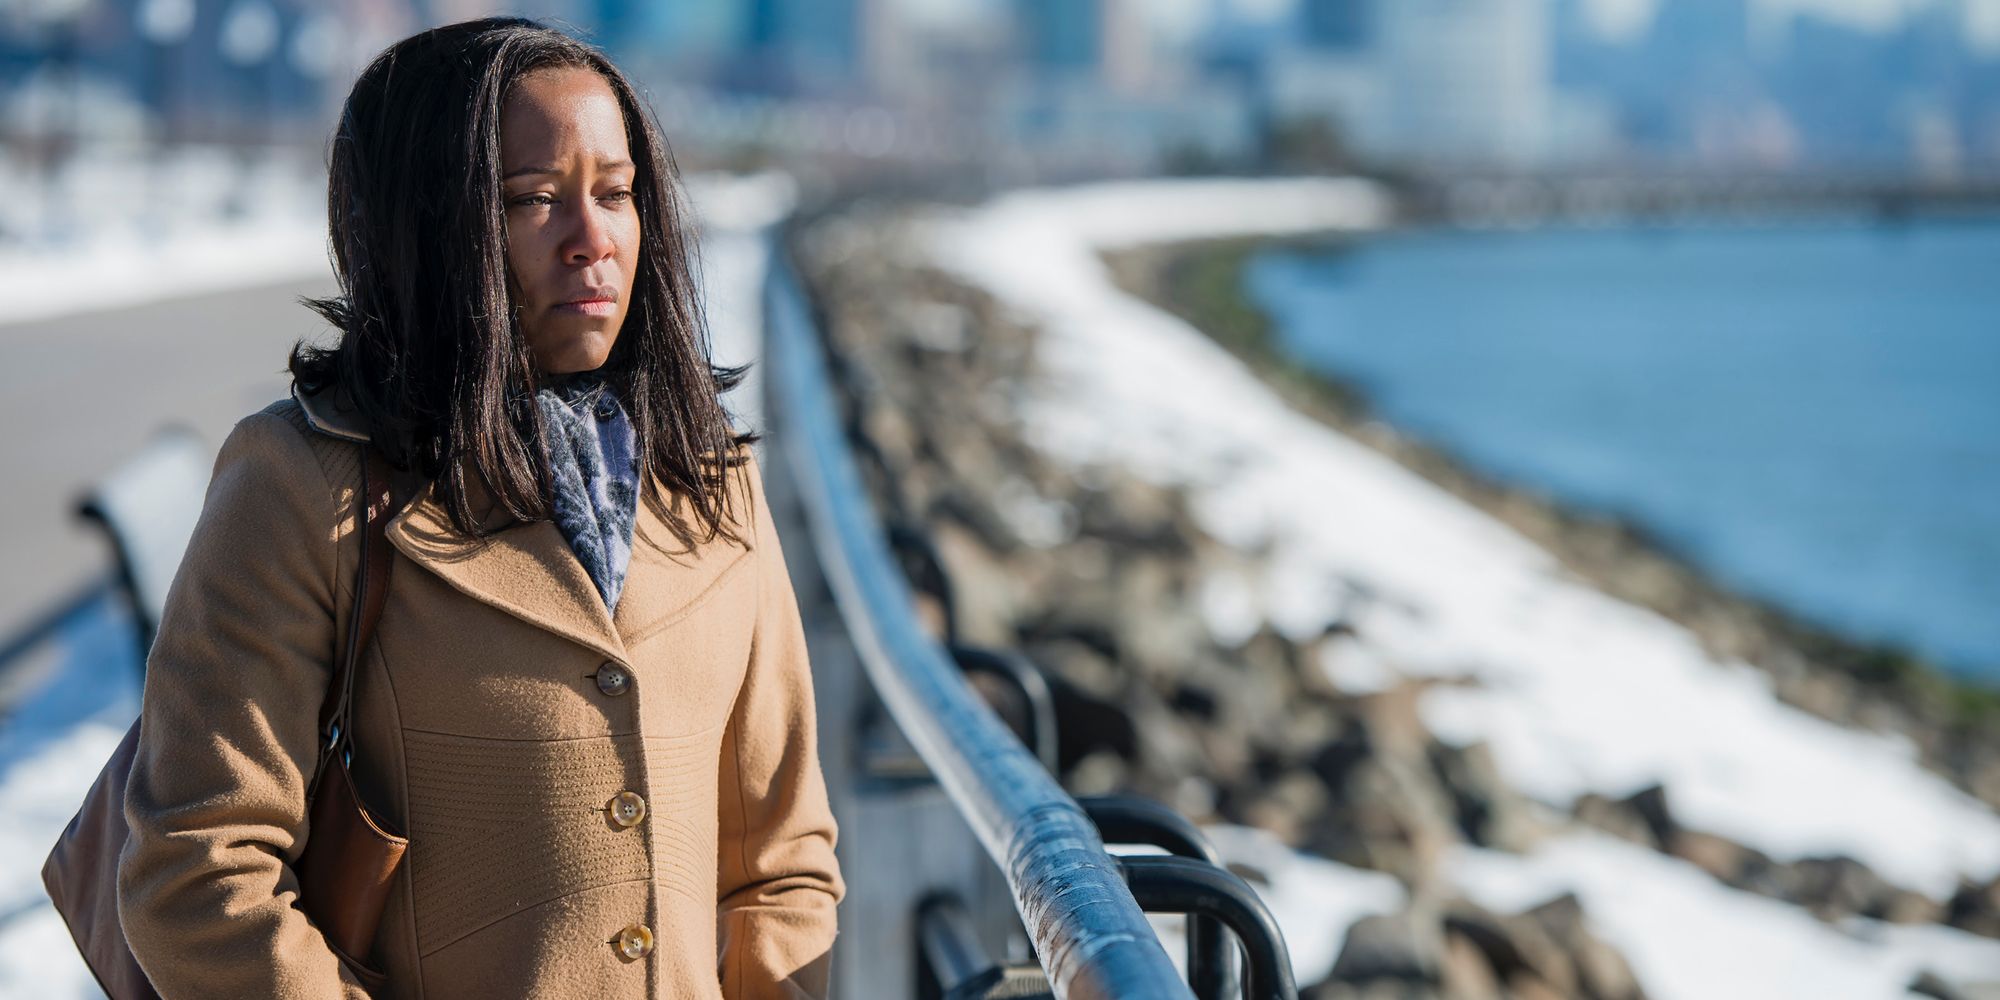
(587, 703)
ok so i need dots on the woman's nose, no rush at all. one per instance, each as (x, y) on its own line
(590, 241)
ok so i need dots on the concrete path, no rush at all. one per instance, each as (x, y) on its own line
(80, 394)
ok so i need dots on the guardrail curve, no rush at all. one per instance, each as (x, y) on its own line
(1089, 933)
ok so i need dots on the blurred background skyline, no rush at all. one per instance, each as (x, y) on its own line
(1895, 87)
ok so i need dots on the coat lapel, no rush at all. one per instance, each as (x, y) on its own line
(525, 569)
(668, 579)
(528, 570)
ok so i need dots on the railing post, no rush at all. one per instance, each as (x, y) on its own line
(1129, 819)
(1027, 681)
(1183, 885)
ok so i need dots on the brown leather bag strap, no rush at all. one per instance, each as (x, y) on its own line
(370, 594)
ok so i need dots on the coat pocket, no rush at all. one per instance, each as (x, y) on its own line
(372, 979)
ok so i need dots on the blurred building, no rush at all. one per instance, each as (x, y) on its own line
(244, 70)
(1449, 82)
(810, 43)
(1336, 25)
(1095, 74)
(1462, 81)
(1062, 39)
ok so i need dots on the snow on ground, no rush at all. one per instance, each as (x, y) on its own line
(124, 230)
(1576, 692)
(1688, 936)
(51, 749)
(121, 228)
(132, 269)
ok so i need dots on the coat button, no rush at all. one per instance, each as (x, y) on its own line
(635, 942)
(613, 679)
(627, 809)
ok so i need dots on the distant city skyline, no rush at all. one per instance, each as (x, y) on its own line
(1451, 85)
(1614, 20)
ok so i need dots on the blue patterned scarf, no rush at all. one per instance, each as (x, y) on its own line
(594, 465)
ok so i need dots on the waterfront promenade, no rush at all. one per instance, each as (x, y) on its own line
(81, 393)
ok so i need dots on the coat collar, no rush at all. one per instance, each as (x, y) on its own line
(528, 570)
(332, 413)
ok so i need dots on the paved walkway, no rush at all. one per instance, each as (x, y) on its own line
(80, 394)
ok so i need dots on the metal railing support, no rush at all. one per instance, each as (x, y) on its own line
(912, 542)
(1020, 674)
(956, 967)
(1184, 885)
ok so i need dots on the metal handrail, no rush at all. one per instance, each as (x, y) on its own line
(1089, 933)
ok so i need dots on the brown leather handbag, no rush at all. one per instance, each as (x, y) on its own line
(351, 854)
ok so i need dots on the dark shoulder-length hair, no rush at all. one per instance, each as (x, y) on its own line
(431, 348)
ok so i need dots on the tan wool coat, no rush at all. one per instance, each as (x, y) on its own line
(498, 715)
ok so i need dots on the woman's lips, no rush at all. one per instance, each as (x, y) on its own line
(590, 307)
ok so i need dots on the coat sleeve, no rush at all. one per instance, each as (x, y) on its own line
(216, 799)
(779, 880)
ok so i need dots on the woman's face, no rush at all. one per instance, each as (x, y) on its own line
(572, 226)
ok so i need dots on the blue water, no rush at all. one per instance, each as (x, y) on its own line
(1809, 412)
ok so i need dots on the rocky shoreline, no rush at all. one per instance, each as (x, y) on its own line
(1954, 723)
(1092, 574)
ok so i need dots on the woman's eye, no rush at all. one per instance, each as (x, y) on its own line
(619, 196)
(534, 199)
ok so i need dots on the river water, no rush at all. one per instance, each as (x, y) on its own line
(1808, 411)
